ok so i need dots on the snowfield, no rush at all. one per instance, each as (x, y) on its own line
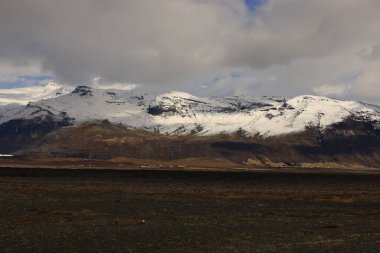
(181, 113)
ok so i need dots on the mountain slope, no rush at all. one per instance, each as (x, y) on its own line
(348, 143)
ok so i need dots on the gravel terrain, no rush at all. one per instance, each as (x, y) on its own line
(44, 210)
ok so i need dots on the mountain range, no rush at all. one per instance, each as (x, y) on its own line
(241, 128)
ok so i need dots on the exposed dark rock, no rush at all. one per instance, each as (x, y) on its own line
(18, 134)
(82, 91)
(159, 110)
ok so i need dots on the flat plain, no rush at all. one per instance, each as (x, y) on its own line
(60, 210)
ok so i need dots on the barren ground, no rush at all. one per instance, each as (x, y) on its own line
(169, 211)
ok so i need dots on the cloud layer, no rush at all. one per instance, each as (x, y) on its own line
(283, 47)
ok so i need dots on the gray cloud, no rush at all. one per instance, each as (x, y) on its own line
(287, 47)
(370, 53)
(139, 40)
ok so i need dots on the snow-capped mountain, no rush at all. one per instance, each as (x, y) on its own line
(24, 95)
(181, 113)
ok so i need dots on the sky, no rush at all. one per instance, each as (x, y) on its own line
(205, 47)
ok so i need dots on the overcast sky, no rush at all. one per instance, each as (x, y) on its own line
(206, 47)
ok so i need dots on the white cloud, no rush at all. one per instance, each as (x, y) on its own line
(332, 90)
(97, 82)
(117, 86)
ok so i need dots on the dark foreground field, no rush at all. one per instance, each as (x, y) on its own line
(148, 211)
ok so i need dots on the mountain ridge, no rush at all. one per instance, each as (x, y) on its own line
(182, 113)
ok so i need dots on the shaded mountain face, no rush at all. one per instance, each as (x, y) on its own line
(176, 125)
(349, 142)
(18, 134)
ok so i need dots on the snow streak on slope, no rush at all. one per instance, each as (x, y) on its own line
(182, 113)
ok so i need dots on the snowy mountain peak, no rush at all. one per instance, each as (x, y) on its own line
(311, 99)
(178, 95)
(52, 86)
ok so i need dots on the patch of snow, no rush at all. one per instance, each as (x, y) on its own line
(5, 155)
